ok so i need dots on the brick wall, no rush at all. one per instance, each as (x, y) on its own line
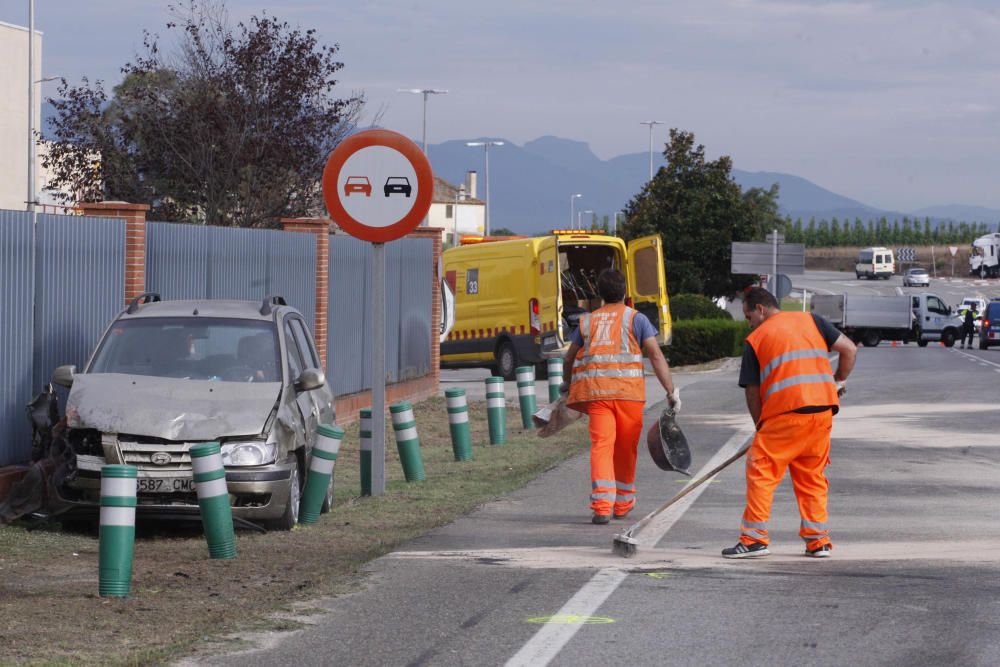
(321, 228)
(135, 240)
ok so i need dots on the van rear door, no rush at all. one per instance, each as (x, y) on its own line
(647, 282)
(550, 306)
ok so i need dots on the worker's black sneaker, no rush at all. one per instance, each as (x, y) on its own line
(755, 550)
(824, 551)
(600, 519)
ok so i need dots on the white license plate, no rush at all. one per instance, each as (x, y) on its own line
(167, 485)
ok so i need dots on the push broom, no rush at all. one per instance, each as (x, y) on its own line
(626, 545)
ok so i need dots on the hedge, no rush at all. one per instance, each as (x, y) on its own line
(698, 341)
(696, 307)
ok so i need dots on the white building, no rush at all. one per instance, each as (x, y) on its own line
(456, 209)
(14, 113)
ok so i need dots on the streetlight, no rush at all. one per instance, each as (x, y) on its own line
(650, 123)
(578, 213)
(425, 92)
(486, 143)
(571, 206)
(614, 231)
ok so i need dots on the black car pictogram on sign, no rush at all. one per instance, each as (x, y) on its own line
(397, 184)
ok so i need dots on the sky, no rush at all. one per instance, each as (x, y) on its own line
(894, 103)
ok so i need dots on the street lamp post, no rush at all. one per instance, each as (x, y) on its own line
(651, 123)
(425, 92)
(571, 206)
(486, 143)
(614, 229)
(578, 214)
(31, 105)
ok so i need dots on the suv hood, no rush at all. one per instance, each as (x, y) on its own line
(169, 408)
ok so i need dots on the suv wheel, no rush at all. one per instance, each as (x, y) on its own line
(291, 515)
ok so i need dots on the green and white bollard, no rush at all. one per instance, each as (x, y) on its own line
(496, 410)
(458, 423)
(526, 394)
(555, 367)
(213, 499)
(407, 441)
(366, 452)
(321, 462)
(117, 531)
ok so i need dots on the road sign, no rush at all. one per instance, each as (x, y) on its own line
(953, 249)
(758, 258)
(783, 287)
(378, 185)
(906, 254)
(771, 237)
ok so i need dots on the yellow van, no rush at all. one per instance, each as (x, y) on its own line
(517, 301)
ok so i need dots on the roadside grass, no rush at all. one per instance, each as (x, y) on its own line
(184, 603)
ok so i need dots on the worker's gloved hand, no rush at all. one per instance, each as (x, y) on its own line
(674, 400)
(564, 388)
(841, 388)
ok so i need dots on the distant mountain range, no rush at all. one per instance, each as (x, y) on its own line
(531, 186)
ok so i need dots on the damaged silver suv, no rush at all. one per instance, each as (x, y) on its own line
(170, 374)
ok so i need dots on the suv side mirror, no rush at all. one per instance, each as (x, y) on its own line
(63, 375)
(311, 378)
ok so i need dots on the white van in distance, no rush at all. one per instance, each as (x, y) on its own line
(875, 263)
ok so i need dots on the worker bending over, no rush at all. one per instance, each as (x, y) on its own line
(792, 395)
(604, 364)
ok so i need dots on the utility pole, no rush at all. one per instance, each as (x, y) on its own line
(650, 123)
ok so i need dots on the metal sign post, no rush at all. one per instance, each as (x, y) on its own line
(378, 186)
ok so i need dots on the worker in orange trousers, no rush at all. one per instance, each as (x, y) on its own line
(604, 364)
(792, 395)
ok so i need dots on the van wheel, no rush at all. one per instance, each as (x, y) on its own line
(871, 339)
(922, 343)
(506, 361)
(948, 338)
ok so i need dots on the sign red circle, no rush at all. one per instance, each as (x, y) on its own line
(409, 150)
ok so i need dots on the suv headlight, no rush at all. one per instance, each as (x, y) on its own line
(248, 453)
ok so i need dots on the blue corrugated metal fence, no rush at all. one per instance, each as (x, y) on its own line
(409, 266)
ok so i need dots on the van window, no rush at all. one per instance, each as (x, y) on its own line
(993, 311)
(646, 276)
(865, 257)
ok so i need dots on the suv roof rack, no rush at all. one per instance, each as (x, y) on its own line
(266, 306)
(145, 297)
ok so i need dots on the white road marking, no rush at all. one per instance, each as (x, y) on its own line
(550, 639)
(977, 359)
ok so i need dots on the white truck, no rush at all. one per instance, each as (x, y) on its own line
(870, 319)
(985, 258)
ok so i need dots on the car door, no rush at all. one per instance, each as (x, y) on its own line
(307, 412)
(323, 396)
(935, 315)
(647, 283)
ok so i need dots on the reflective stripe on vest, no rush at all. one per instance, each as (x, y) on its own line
(795, 365)
(609, 364)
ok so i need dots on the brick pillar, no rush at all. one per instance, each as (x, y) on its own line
(435, 234)
(134, 216)
(321, 228)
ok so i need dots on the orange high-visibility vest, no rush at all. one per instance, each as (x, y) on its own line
(795, 369)
(608, 367)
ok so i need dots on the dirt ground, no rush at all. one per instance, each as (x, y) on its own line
(180, 597)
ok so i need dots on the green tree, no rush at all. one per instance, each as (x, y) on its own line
(699, 210)
(225, 125)
(502, 231)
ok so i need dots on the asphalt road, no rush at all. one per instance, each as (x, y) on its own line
(527, 580)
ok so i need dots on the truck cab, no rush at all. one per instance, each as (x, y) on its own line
(935, 320)
(985, 258)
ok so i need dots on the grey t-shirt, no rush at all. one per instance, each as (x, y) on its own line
(750, 369)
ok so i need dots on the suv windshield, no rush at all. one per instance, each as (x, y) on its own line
(192, 348)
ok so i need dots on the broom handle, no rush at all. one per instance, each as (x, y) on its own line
(687, 489)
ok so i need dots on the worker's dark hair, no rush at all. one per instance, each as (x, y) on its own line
(611, 285)
(758, 296)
